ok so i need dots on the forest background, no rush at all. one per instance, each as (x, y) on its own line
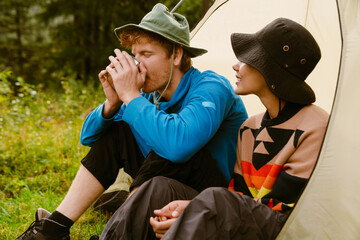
(51, 52)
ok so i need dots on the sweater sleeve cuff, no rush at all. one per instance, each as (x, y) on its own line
(133, 108)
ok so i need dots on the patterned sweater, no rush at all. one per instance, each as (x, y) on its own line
(275, 157)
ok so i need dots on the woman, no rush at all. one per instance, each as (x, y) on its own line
(276, 151)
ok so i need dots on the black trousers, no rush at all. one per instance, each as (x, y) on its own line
(215, 213)
(118, 149)
(131, 220)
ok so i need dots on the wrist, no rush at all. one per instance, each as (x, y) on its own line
(109, 109)
(127, 98)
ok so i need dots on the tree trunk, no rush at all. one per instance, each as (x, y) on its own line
(18, 16)
(205, 6)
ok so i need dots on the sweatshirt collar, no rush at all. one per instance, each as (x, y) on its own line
(181, 90)
(289, 110)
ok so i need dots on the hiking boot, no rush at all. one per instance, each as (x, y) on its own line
(45, 229)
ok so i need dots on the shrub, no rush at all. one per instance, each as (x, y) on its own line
(40, 150)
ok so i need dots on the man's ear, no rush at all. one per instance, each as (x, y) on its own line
(179, 52)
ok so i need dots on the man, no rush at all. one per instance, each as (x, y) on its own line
(276, 151)
(161, 118)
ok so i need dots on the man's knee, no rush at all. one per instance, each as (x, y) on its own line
(116, 131)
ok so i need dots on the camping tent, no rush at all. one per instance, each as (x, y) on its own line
(329, 207)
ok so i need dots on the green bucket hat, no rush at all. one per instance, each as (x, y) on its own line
(172, 26)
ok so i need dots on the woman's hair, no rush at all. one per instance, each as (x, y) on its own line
(131, 36)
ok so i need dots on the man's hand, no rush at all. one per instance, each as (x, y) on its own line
(126, 76)
(112, 103)
(167, 216)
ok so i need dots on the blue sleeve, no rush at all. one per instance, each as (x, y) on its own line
(95, 125)
(178, 136)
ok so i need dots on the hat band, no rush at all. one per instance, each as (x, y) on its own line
(173, 38)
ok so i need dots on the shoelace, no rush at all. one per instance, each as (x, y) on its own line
(28, 232)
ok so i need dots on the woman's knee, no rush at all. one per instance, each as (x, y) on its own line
(213, 191)
(210, 197)
(161, 183)
(164, 186)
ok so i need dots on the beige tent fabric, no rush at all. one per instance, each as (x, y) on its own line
(329, 208)
(319, 16)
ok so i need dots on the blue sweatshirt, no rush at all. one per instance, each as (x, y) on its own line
(204, 110)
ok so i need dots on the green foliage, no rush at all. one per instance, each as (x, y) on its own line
(44, 40)
(40, 150)
(23, 40)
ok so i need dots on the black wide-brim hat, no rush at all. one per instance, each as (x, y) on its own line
(285, 53)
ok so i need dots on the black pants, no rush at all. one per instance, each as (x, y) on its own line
(131, 220)
(118, 149)
(215, 213)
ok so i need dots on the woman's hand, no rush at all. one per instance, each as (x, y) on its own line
(166, 216)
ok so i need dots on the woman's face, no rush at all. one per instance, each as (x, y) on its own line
(249, 80)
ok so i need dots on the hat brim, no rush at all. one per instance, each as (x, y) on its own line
(192, 51)
(281, 82)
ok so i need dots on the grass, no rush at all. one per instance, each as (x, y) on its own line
(40, 151)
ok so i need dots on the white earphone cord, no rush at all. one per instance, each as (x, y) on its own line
(157, 100)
